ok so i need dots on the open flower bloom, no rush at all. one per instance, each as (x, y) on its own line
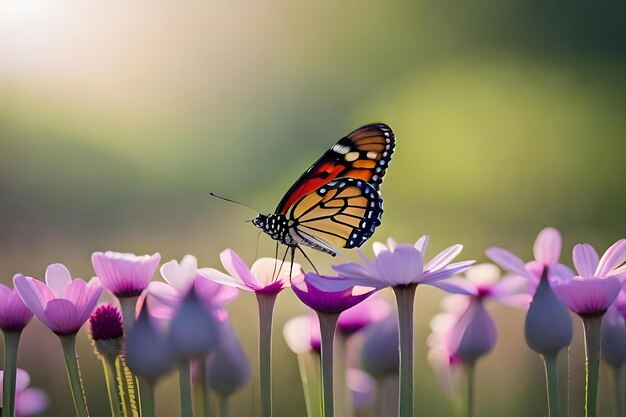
(124, 274)
(395, 264)
(14, 315)
(267, 275)
(165, 297)
(28, 401)
(327, 301)
(62, 304)
(363, 314)
(598, 281)
(302, 334)
(547, 250)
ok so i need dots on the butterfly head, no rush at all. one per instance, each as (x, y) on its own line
(260, 221)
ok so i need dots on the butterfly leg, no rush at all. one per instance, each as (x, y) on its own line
(275, 260)
(293, 255)
(307, 258)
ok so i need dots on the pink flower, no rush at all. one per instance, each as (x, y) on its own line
(124, 274)
(302, 334)
(327, 302)
(62, 304)
(614, 333)
(14, 315)
(473, 333)
(363, 314)
(165, 297)
(398, 265)
(267, 275)
(598, 281)
(448, 367)
(28, 401)
(362, 387)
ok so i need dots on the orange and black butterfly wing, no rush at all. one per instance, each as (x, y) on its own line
(342, 213)
(363, 154)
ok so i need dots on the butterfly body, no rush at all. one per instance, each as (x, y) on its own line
(336, 202)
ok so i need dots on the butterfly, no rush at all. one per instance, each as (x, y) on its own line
(336, 203)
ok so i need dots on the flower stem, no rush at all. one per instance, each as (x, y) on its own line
(405, 296)
(73, 373)
(186, 409)
(343, 402)
(552, 384)
(200, 390)
(470, 389)
(129, 305)
(224, 406)
(328, 323)
(618, 377)
(146, 398)
(309, 365)
(266, 310)
(387, 395)
(129, 388)
(11, 343)
(111, 377)
(592, 325)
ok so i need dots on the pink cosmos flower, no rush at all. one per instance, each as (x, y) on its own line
(266, 276)
(165, 297)
(14, 315)
(28, 401)
(62, 304)
(327, 302)
(124, 274)
(395, 264)
(598, 281)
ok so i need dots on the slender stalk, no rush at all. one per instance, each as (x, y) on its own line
(184, 376)
(200, 390)
(387, 395)
(469, 367)
(111, 377)
(592, 325)
(328, 323)
(224, 406)
(405, 296)
(618, 377)
(73, 373)
(11, 343)
(309, 366)
(129, 388)
(343, 400)
(129, 305)
(146, 398)
(266, 311)
(552, 384)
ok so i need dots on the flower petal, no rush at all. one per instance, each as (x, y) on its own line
(588, 296)
(448, 271)
(455, 286)
(333, 284)
(421, 244)
(268, 270)
(62, 316)
(507, 260)
(614, 257)
(443, 258)
(379, 247)
(401, 267)
(238, 268)
(222, 278)
(180, 275)
(585, 260)
(58, 277)
(353, 270)
(547, 248)
(35, 297)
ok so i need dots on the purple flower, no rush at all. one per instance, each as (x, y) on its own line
(267, 275)
(379, 353)
(473, 333)
(598, 281)
(124, 274)
(228, 367)
(28, 401)
(165, 297)
(361, 386)
(398, 265)
(614, 333)
(106, 323)
(62, 304)
(363, 314)
(327, 302)
(302, 334)
(448, 367)
(14, 315)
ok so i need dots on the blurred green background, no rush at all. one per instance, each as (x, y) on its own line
(117, 119)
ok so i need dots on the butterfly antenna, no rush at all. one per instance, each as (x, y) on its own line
(234, 202)
(256, 252)
(307, 258)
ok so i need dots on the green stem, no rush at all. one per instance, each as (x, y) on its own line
(618, 377)
(328, 323)
(470, 389)
(266, 310)
(405, 296)
(552, 385)
(129, 305)
(129, 388)
(11, 343)
(592, 325)
(186, 409)
(146, 398)
(200, 390)
(343, 399)
(224, 406)
(309, 366)
(73, 373)
(111, 377)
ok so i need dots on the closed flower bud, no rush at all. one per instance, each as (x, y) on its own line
(107, 330)
(474, 334)
(228, 367)
(379, 354)
(614, 338)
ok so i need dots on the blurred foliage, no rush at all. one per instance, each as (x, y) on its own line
(116, 120)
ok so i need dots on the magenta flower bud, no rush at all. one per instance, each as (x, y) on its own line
(14, 315)
(194, 330)
(548, 326)
(614, 338)
(106, 323)
(379, 353)
(369, 311)
(147, 352)
(124, 274)
(228, 367)
(474, 334)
